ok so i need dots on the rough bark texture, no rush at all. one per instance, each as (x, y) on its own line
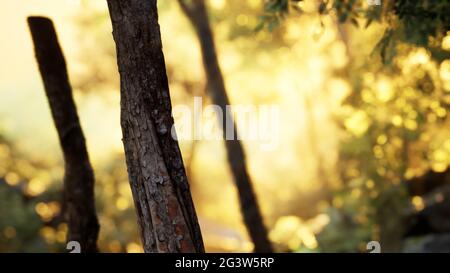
(165, 211)
(79, 176)
(197, 14)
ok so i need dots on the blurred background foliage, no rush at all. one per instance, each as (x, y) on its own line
(364, 93)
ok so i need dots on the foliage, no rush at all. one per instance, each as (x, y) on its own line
(31, 207)
(390, 116)
(422, 23)
(29, 215)
(396, 121)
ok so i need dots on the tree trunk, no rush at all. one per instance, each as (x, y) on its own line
(428, 182)
(165, 211)
(198, 16)
(79, 176)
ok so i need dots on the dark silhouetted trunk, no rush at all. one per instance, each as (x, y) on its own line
(198, 16)
(79, 176)
(428, 182)
(165, 211)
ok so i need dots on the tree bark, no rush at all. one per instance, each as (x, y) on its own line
(198, 16)
(79, 176)
(165, 211)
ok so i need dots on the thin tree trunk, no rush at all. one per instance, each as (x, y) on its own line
(427, 182)
(79, 176)
(198, 16)
(166, 214)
